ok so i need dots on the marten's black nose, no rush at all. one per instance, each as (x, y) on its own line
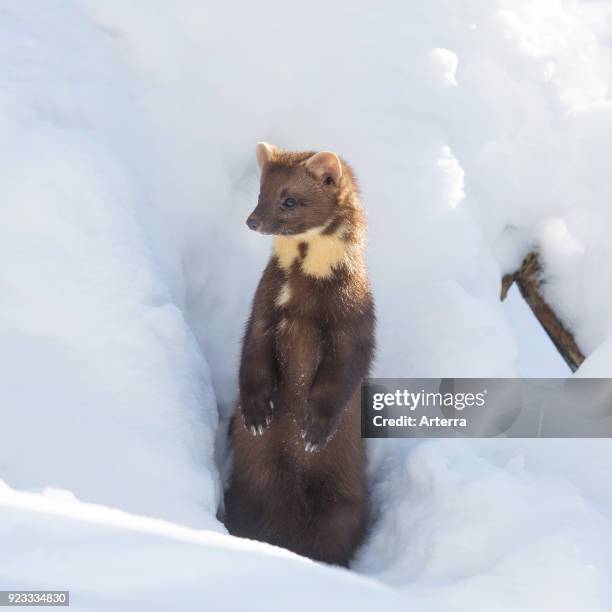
(253, 222)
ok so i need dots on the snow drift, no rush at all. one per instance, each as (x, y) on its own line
(128, 169)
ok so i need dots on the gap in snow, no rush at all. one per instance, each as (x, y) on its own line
(537, 355)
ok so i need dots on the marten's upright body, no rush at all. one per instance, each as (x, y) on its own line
(298, 479)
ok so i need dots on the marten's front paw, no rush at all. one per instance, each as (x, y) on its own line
(256, 412)
(318, 431)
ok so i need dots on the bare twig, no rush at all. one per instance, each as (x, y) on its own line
(528, 279)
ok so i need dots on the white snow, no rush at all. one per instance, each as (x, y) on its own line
(127, 134)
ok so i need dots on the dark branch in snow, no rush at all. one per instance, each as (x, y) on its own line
(529, 279)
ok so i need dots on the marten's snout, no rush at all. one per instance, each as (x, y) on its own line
(253, 222)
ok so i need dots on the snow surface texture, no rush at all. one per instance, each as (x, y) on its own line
(127, 170)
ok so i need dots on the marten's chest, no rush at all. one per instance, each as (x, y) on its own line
(301, 300)
(306, 312)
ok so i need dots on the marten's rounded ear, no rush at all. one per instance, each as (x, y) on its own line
(265, 152)
(326, 165)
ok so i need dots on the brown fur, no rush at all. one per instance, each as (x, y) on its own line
(298, 478)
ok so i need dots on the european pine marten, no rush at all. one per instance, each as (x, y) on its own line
(298, 478)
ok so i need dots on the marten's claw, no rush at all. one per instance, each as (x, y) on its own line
(318, 432)
(256, 413)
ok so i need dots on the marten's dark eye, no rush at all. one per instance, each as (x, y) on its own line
(289, 203)
(329, 180)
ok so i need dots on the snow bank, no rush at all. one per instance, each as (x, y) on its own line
(158, 565)
(519, 525)
(476, 131)
(104, 390)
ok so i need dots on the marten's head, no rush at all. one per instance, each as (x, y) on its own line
(299, 191)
